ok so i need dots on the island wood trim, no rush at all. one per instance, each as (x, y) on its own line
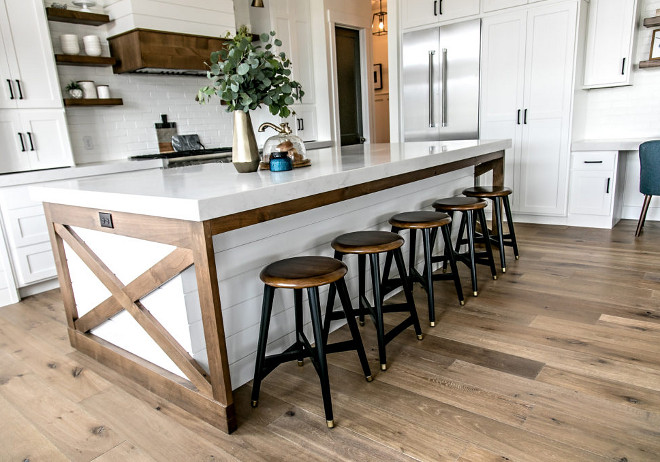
(147, 321)
(282, 209)
(167, 268)
(217, 410)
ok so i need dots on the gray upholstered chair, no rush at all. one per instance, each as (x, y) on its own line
(649, 177)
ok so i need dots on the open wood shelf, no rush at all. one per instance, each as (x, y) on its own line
(650, 63)
(76, 17)
(652, 22)
(68, 102)
(78, 60)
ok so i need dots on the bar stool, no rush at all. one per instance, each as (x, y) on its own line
(473, 209)
(309, 273)
(373, 243)
(428, 223)
(499, 195)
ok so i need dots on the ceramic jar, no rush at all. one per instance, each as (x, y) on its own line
(92, 45)
(70, 44)
(89, 89)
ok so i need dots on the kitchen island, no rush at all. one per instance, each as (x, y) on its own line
(145, 258)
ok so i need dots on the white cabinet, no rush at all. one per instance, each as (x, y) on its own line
(304, 122)
(494, 5)
(610, 43)
(33, 139)
(526, 91)
(27, 65)
(595, 197)
(415, 13)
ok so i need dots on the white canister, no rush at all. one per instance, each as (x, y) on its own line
(69, 44)
(88, 88)
(103, 91)
(92, 45)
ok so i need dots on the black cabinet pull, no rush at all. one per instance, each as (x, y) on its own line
(518, 118)
(301, 124)
(593, 161)
(435, 8)
(525, 117)
(11, 90)
(20, 92)
(29, 134)
(607, 191)
(20, 137)
(440, 9)
(623, 67)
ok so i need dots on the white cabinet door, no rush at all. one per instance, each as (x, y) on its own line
(544, 160)
(493, 5)
(610, 34)
(14, 155)
(8, 64)
(502, 79)
(47, 138)
(591, 192)
(453, 9)
(34, 77)
(302, 55)
(304, 123)
(415, 13)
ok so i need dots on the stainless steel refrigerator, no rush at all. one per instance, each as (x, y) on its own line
(441, 82)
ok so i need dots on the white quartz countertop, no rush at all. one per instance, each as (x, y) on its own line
(628, 144)
(206, 191)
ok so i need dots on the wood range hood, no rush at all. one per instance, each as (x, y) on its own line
(158, 52)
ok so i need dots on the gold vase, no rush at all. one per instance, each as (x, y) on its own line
(244, 154)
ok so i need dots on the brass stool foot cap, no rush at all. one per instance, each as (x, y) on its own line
(361, 323)
(504, 270)
(494, 278)
(369, 378)
(331, 423)
(517, 257)
(420, 337)
(432, 323)
(476, 294)
(462, 302)
(301, 363)
(383, 367)
(255, 403)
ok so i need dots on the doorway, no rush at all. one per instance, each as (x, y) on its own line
(349, 86)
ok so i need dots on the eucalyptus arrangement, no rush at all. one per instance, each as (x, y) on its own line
(245, 76)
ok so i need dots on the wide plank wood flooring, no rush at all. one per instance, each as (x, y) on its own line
(556, 360)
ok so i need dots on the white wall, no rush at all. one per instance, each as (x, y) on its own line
(627, 112)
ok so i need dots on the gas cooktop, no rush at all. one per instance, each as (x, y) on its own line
(177, 154)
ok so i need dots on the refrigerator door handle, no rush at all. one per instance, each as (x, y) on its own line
(431, 79)
(444, 87)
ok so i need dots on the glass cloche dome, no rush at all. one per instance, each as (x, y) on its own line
(283, 141)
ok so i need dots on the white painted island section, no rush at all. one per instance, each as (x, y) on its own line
(209, 191)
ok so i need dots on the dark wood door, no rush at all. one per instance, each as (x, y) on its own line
(349, 86)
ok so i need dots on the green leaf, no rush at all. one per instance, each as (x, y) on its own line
(286, 89)
(288, 100)
(277, 42)
(243, 69)
(264, 37)
(272, 33)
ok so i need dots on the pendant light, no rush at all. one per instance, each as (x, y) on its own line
(379, 21)
(257, 3)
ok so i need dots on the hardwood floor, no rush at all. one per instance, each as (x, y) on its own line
(558, 359)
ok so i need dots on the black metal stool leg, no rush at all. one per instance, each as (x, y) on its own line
(407, 290)
(449, 255)
(411, 251)
(266, 309)
(352, 325)
(461, 229)
(329, 306)
(297, 306)
(362, 267)
(467, 217)
(428, 274)
(489, 249)
(321, 363)
(378, 307)
(500, 232)
(509, 223)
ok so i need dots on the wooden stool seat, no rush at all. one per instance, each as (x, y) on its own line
(420, 220)
(472, 209)
(303, 272)
(500, 197)
(487, 191)
(308, 273)
(371, 244)
(367, 242)
(459, 204)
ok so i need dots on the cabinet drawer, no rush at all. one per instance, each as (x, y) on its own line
(594, 160)
(26, 226)
(33, 263)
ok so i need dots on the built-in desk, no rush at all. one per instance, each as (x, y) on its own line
(145, 259)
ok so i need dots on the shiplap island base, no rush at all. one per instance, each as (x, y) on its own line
(145, 258)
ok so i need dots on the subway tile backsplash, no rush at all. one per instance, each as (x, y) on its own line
(106, 133)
